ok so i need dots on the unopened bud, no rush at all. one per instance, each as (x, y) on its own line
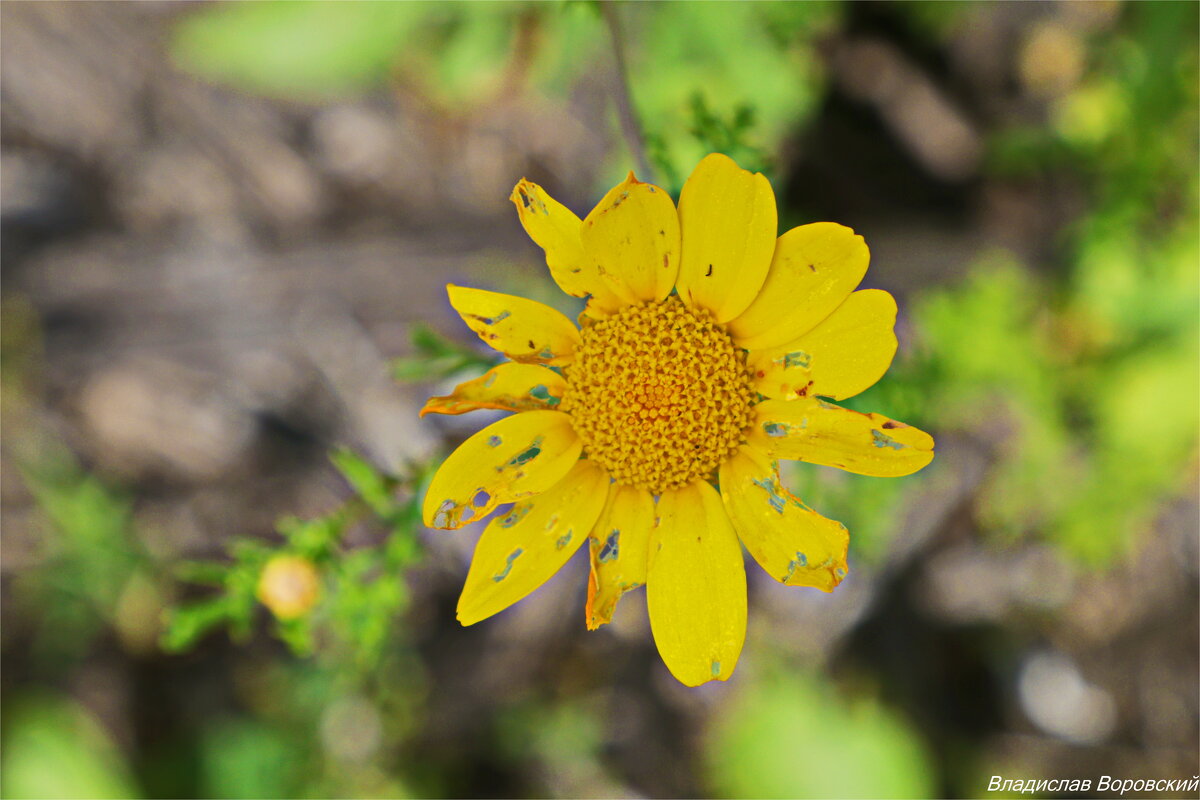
(289, 586)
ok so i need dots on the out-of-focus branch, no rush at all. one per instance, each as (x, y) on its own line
(630, 127)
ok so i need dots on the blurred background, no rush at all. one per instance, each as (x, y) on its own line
(226, 232)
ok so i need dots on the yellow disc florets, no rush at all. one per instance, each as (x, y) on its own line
(659, 394)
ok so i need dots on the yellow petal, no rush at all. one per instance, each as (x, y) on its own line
(508, 387)
(822, 433)
(555, 229)
(815, 268)
(620, 548)
(728, 225)
(521, 550)
(524, 330)
(839, 358)
(632, 236)
(517, 457)
(793, 543)
(696, 586)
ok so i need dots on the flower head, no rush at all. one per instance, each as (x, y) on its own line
(289, 586)
(708, 349)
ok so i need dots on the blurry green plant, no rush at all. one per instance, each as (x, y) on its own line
(349, 632)
(695, 93)
(319, 50)
(92, 560)
(89, 573)
(1084, 380)
(1098, 373)
(455, 55)
(54, 748)
(362, 589)
(735, 78)
(790, 735)
(437, 358)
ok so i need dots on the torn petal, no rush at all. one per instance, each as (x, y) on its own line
(521, 550)
(524, 330)
(556, 229)
(632, 236)
(620, 546)
(507, 387)
(516, 457)
(794, 544)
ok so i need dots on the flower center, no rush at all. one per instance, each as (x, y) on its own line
(659, 394)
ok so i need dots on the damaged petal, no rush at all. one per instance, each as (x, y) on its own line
(881, 439)
(610, 549)
(514, 516)
(508, 564)
(776, 429)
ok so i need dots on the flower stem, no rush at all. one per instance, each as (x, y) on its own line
(625, 112)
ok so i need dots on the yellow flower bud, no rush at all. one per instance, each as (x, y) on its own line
(289, 586)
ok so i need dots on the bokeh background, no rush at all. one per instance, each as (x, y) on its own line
(226, 232)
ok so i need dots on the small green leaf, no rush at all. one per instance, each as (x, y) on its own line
(374, 488)
(186, 625)
(205, 573)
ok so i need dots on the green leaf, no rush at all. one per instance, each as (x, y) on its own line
(186, 625)
(374, 488)
(297, 634)
(207, 573)
(315, 539)
(437, 357)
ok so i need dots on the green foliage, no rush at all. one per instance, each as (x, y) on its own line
(295, 48)
(1083, 384)
(53, 748)
(234, 605)
(248, 758)
(790, 735)
(732, 135)
(1093, 417)
(565, 739)
(728, 77)
(92, 524)
(436, 357)
(362, 589)
(92, 563)
(452, 54)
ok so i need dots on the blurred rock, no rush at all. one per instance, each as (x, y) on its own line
(970, 583)
(152, 418)
(1061, 702)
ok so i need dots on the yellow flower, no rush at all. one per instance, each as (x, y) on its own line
(708, 349)
(289, 586)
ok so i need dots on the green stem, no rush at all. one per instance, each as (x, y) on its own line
(625, 111)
